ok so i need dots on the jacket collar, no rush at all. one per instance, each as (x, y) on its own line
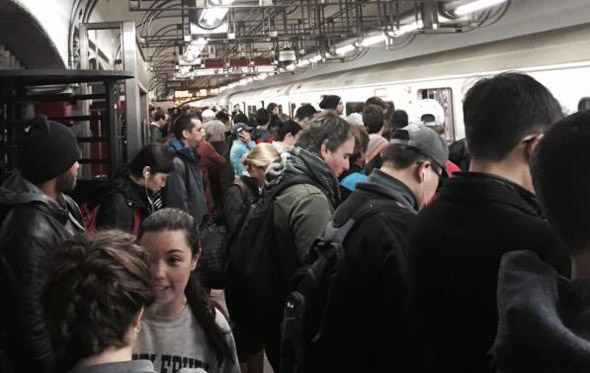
(380, 183)
(478, 186)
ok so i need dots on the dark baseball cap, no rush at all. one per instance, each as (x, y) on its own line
(239, 127)
(425, 141)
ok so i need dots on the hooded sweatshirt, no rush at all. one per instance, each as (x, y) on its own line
(544, 318)
(380, 335)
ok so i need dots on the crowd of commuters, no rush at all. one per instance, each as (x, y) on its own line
(477, 268)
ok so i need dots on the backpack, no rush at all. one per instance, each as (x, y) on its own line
(315, 293)
(253, 282)
(89, 217)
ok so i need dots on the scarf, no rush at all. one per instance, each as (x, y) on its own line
(303, 162)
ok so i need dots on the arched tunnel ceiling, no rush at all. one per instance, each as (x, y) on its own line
(261, 29)
(22, 35)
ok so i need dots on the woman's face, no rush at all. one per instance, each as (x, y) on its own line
(171, 263)
(156, 182)
(257, 172)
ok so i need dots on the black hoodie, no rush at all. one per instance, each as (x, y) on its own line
(33, 225)
(544, 318)
(372, 328)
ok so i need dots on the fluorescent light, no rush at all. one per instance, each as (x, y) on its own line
(408, 28)
(194, 49)
(315, 59)
(212, 17)
(303, 63)
(475, 6)
(345, 49)
(373, 40)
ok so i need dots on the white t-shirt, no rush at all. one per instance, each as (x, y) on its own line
(179, 344)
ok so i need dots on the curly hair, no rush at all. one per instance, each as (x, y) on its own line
(97, 284)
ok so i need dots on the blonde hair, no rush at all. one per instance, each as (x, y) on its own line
(261, 155)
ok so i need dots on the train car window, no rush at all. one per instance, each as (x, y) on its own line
(251, 110)
(445, 97)
(584, 104)
(351, 106)
(280, 109)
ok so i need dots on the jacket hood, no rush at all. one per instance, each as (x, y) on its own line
(380, 183)
(544, 317)
(16, 190)
(303, 162)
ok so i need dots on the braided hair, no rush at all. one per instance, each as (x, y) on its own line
(97, 284)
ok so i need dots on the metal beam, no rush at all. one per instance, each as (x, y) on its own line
(132, 103)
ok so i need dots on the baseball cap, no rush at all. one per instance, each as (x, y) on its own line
(239, 127)
(425, 141)
(428, 112)
(208, 113)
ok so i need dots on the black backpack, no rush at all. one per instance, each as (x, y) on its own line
(254, 289)
(315, 293)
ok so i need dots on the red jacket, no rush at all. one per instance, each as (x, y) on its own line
(211, 163)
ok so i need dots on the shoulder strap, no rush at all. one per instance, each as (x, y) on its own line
(337, 234)
(242, 187)
(289, 182)
(136, 221)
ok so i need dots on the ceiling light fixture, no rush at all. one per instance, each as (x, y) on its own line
(315, 59)
(475, 6)
(405, 29)
(212, 17)
(345, 49)
(373, 40)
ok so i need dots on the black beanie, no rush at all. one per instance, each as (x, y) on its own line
(46, 150)
(330, 102)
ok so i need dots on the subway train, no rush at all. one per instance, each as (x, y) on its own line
(559, 59)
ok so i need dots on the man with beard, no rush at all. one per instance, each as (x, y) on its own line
(35, 217)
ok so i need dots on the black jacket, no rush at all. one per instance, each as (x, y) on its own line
(184, 186)
(32, 226)
(456, 250)
(237, 199)
(372, 328)
(544, 318)
(117, 209)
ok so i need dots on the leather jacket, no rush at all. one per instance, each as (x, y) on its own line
(32, 225)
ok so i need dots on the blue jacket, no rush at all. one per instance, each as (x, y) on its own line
(184, 186)
(238, 149)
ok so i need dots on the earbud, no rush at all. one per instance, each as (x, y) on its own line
(146, 174)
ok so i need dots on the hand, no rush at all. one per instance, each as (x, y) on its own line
(245, 136)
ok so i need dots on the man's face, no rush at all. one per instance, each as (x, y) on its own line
(338, 159)
(196, 135)
(66, 182)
